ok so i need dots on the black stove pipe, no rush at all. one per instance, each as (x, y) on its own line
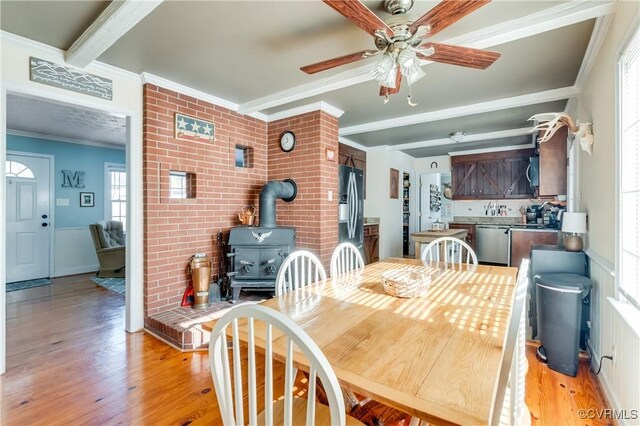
(285, 190)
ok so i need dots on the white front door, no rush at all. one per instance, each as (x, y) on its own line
(28, 217)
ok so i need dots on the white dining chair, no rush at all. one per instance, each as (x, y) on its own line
(509, 406)
(346, 257)
(228, 372)
(449, 250)
(299, 269)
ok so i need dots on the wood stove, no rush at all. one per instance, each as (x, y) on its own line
(256, 253)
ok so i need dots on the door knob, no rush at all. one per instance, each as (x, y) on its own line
(44, 216)
(45, 224)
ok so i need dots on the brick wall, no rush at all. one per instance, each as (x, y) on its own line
(174, 229)
(313, 216)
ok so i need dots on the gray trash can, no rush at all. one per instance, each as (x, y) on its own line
(559, 300)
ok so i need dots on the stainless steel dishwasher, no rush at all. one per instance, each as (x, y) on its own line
(492, 243)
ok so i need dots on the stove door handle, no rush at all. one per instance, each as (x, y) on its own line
(246, 262)
(268, 262)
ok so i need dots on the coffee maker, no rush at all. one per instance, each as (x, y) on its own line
(555, 216)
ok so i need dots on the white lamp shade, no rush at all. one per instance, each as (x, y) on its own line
(574, 222)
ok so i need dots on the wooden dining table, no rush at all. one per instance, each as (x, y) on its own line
(436, 357)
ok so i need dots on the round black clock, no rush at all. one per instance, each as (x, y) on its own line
(287, 141)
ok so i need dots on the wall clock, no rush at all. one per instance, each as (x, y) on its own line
(287, 141)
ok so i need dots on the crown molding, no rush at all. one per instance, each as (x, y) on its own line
(595, 42)
(536, 23)
(44, 51)
(37, 135)
(114, 22)
(171, 85)
(352, 144)
(461, 111)
(316, 106)
(501, 134)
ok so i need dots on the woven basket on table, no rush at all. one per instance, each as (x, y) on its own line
(406, 282)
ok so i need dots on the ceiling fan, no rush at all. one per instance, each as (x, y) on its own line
(400, 43)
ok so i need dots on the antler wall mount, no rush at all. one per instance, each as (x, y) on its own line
(400, 43)
(552, 121)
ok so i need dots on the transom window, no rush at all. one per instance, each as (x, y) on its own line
(16, 169)
(629, 178)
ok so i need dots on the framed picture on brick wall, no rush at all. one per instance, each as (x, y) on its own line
(193, 129)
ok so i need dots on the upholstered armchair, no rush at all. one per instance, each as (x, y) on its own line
(108, 238)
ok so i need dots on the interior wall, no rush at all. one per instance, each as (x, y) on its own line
(380, 204)
(175, 229)
(127, 100)
(74, 157)
(612, 328)
(312, 213)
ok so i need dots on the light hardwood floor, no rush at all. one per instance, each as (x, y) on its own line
(69, 361)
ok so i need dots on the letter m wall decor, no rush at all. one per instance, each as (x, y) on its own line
(72, 179)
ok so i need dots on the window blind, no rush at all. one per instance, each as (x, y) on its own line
(629, 118)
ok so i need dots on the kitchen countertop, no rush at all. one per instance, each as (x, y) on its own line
(488, 220)
(371, 221)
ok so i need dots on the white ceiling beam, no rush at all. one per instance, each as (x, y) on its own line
(118, 18)
(352, 144)
(492, 149)
(536, 23)
(501, 134)
(461, 111)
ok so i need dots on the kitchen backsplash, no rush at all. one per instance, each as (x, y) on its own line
(479, 208)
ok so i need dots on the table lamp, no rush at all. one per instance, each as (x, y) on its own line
(574, 223)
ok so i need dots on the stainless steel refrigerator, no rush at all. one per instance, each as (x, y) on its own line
(350, 205)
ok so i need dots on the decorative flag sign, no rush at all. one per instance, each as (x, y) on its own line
(193, 129)
(55, 75)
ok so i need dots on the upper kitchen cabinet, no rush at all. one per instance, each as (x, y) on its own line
(553, 165)
(495, 175)
(353, 157)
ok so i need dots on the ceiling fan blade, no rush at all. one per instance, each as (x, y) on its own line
(360, 15)
(335, 62)
(392, 90)
(446, 13)
(458, 55)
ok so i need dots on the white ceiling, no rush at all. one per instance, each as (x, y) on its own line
(250, 52)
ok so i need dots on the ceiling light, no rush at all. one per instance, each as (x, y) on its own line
(457, 137)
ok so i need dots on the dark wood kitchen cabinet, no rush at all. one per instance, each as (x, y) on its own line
(471, 232)
(522, 240)
(553, 164)
(371, 244)
(354, 157)
(494, 175)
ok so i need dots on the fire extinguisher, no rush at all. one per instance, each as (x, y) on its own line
(200, 270)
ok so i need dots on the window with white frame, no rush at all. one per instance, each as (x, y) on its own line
(116, 193)
(629, 178)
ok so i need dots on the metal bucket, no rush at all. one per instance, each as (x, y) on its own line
(200, 269)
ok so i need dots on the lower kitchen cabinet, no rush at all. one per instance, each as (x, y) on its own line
(471, 232)
(371, 244)
(521, 241)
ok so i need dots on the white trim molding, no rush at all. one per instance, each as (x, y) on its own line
(186, 90)
(536, 23)
(352, 144)
(316, 106)
(606, 265)
(58, 55)
(114, 22)
(501, 134)
(460, 111)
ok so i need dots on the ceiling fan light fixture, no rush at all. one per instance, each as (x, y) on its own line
(457, 137)
(384, 71)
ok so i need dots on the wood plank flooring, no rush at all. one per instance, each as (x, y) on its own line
(69, 361)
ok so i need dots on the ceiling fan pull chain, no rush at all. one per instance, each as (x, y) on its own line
(386, 98)
(409, 97)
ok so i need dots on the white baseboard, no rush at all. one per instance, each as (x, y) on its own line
(76, 271)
